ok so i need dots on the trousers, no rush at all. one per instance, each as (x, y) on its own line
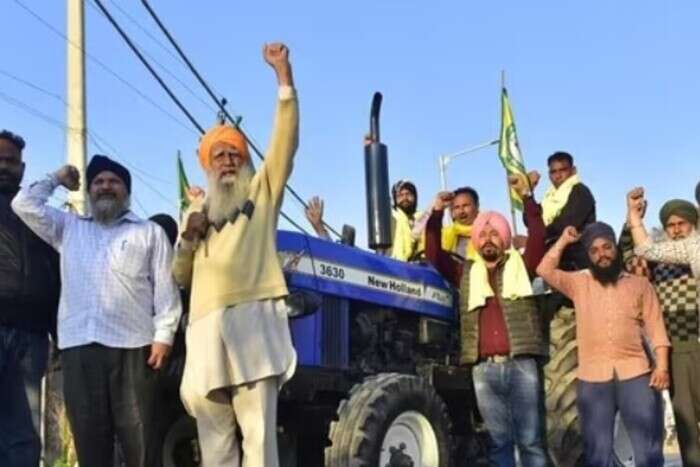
(641, 411)
(23, 360)
(108, 392)
(509, 398)
(252, 407)
(685, 395)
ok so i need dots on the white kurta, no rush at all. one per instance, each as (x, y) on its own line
(239, 345)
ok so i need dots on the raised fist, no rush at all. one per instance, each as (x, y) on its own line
(195, 193)
(519, 183)
(69, 177)
(277, 56)
(443, 200)
(569, 235)
(636, 204)
(534, 177)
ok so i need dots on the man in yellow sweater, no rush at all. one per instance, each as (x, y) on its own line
(405, 201)
(239, 349)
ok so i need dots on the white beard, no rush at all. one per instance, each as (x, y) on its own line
(106, 210)
(228, 194)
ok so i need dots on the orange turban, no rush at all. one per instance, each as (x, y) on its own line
(221, 134)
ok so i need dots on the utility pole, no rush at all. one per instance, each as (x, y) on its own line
(55, 433)
(76, 132)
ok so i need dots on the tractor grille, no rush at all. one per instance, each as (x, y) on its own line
(334, 332)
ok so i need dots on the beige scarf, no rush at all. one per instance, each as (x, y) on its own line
(516, 280)
(556, 198)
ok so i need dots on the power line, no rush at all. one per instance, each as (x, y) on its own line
(32, 85)
(136, 174)
(147, 32)
(90, 132)
(171, 94)
(112, 150)
(151, 36)
(220, 104)
(31, 110)
(106, 68)
(138, 203)
(163, 67)
(148, 66)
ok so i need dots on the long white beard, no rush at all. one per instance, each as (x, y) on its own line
(107, 210)
(226, 195)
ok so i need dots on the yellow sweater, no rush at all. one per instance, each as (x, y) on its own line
(239, 264)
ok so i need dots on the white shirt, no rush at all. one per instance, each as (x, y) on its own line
(117, 287)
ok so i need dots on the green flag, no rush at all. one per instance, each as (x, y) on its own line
(183, 185)
(509, 149)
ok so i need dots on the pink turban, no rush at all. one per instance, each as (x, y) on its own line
(496, 221)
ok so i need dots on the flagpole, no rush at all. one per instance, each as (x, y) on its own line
(177, 174)
(510, 198)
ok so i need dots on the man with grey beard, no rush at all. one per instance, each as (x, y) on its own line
(239, 348)
(118, 311)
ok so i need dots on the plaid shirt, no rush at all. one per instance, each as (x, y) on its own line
(686, 251)
(117, 286)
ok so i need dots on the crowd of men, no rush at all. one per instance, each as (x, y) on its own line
(111, 302)
(629, 296)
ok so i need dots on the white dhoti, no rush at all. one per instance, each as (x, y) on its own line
(237, 359)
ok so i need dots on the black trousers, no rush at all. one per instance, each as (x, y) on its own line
(110, 391)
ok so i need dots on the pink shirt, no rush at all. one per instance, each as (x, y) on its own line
(610, 321)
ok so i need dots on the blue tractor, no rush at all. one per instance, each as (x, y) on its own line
(377, 382)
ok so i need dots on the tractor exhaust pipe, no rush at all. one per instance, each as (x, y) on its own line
(377, 184)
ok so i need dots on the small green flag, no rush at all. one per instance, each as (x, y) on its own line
(183, 185)
(509, 149)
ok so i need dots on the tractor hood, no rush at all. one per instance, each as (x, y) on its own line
(335, 269)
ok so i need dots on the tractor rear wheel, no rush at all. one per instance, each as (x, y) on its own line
(564, 436)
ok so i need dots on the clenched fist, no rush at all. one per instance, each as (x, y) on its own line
(636, 205)
(520, 184)
(195, 193)
(568, 236)
(534, 177)
(443, 200)
(69, 177)
(276, 55)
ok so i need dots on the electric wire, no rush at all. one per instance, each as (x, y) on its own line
(219, 103)
(148, 66)
(163, 67)
(106, 68)
(60, 125)
(165, 87)
(89, 131)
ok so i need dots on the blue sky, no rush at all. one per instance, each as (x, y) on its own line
(614, 83)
